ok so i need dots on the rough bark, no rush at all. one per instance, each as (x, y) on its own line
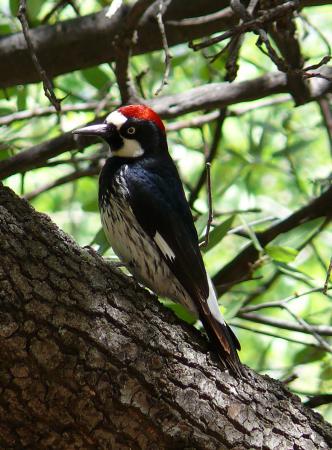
(91, 360)
(87, 41)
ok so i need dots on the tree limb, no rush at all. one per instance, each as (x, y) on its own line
(78, 371)
(85, 41)
(207, 97)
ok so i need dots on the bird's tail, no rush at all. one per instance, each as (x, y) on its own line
(220, 334)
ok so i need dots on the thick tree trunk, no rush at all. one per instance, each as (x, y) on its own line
(89, 360)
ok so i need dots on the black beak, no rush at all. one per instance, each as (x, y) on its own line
(100, 129)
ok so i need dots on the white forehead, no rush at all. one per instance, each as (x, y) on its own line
(116, 118)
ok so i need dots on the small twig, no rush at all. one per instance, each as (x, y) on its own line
(322, 330)
(61, 4)
(278, 303)
(139, 79)
(317, 75)
(47, 85)
(202, 20)
(328, 275)
(210, 205)
(232, 65)
(122, 45)
(243, 229)
(199, 121)
(310, 329)
(274, 335)
(321, 63)
(89, 172)
(250, 25)
(232, 212)
(283, 304)
(168, 55)
(292, 377)
(48, 110)
(209, 156)
(318, 400)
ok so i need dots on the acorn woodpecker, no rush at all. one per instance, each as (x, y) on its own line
(148, 222)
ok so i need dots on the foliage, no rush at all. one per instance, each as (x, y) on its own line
(271, 160)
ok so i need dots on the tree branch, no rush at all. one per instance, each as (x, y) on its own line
(84, 42)
(123, 44)
(47, 85)
(241, 266)
(212, 96)
(80, 372)
(321, 330)
(73, 176)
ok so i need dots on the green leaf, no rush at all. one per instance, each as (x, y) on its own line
(34, 7)
(292, 271)
(218, 233)
(13, 5)
(21, 97)
(200, 224)
(5, 28)
(180, 311)
(252, 234)
(296, 237)
(95, 76)
(308, 355)
(6, 110)
(233, 307)
(101, 241)
(293, 148)
(282, 254)
(90, 205)
(4, 154)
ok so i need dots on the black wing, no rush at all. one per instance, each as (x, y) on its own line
(159, 204)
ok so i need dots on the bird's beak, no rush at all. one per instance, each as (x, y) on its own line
(93, 130)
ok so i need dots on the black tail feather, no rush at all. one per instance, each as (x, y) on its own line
(225, 342)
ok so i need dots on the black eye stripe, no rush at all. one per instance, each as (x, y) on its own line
(131, 130)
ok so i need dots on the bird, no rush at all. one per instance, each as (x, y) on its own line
(148, 222)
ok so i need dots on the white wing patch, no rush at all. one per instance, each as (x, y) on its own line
(116, 118)
(212, 302)
(163, 246)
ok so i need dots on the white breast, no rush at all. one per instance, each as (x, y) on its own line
(137, 250)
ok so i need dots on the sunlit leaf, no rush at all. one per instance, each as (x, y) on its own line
(21, 98)
(180, 311)
(13, 5)
(96, 77)
(282, 254)
(292, 271)
(200, 224)
(218, 233)
(308, 355)
(296, 237)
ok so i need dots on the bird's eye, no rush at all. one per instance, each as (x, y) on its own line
(131, 130)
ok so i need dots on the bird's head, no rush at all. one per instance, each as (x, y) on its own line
(131, 131)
